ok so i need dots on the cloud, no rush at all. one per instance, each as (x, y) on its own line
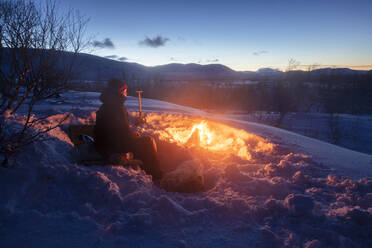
(155, 42)
(259, 52)
(106, 43)
(212, 60)
(116, 57)
(200, 61)
(112, 56)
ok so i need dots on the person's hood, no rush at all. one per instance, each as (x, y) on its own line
(109, 97)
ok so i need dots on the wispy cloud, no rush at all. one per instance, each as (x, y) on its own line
(116, 57)
(212, 60)
(155, 42)
(106, 43)
(112, 56)
(257, 53)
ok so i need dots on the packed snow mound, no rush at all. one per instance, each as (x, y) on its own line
(274, 197)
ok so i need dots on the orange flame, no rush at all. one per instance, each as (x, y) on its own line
(210, 136)
(205, 135)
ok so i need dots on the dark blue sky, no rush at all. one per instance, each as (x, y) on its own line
(244, 35)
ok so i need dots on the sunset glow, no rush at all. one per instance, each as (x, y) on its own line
(243, 35)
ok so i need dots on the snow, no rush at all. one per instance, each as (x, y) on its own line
(350, 131)
(354, 163)
(294, 195)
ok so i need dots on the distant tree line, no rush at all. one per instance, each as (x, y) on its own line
(294, 91)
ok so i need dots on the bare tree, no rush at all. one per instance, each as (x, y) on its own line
(38, 47)
(282, 93)
(292, 65)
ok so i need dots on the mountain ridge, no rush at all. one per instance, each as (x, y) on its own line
(93, 67)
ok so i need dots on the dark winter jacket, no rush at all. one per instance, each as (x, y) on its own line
(112, 131)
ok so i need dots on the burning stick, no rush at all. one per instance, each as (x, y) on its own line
(141, 119)
(139, 92)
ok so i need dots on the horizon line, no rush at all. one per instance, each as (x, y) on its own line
(299, 67)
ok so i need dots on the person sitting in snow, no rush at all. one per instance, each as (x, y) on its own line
(114, 139)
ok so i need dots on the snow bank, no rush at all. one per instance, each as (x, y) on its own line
(352, 163)
(278, 198)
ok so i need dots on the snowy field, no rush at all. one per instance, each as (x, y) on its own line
(350, 131)
(266, 187)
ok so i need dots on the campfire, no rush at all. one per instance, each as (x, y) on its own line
(200, 135)
(215, 138)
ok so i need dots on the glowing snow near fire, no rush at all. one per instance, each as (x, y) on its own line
(215, 138)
